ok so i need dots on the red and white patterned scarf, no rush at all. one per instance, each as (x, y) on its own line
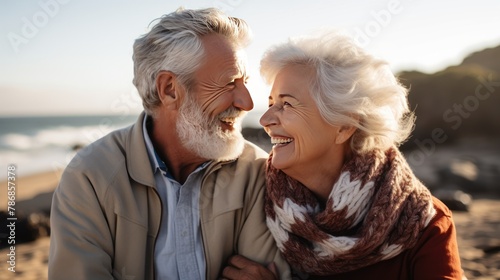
(376, 210)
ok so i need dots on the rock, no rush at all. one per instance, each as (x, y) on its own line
(77, 146)
(492, 249)
(471, 175)
(25, 230)
(456, 200)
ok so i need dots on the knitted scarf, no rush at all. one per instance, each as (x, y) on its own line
(376, 210)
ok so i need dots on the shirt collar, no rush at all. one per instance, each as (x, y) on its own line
(157, 164)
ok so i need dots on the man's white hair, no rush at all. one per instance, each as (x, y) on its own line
(174, 44)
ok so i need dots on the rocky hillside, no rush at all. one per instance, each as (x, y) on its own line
(461, 101)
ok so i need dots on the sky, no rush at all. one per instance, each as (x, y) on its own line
(60, 57)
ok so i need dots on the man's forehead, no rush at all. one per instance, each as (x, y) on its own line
(238, 67)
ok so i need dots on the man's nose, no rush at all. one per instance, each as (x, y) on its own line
(242, 98)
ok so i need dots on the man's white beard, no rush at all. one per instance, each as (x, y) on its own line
(204, 136)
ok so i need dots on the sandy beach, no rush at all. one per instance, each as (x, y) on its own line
(29, 186)
(478, 234)
(33, 193)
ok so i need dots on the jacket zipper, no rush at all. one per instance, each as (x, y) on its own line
(157, 231)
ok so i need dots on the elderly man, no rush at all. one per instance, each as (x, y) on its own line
(178, 193)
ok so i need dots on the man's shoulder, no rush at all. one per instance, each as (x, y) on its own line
(252, 152)
(113, 144)
(238, 184)
(251, 161)
(248, 169)
(103, 155)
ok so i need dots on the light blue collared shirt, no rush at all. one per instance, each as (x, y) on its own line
(179, 250)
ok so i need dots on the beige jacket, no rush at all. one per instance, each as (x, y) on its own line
(106, 212)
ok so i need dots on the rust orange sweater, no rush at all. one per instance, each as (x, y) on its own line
(435, 256)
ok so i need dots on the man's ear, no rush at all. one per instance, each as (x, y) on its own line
(345, 132)
(166, 87)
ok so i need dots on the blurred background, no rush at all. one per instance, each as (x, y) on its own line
(66, 66)
(66, 80)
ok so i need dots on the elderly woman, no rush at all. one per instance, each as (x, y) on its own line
(342, 202)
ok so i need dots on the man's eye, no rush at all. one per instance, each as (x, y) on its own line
(286, 104)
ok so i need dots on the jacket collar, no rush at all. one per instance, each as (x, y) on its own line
(138, 164)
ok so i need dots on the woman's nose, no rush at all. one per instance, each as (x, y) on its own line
(268, 118)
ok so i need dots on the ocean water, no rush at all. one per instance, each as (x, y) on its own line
(38, 144)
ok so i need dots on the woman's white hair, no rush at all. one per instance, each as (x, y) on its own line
(174, 44)
(351, 87)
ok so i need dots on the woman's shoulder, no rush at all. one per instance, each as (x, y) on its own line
(436, 253)
(441, 225)
(443, 213)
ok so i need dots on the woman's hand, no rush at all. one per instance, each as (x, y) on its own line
(240, 267)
